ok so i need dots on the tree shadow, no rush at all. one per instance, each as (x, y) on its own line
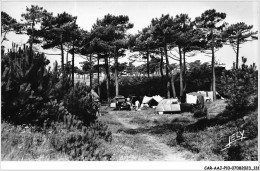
(158, 129)
(174, 126)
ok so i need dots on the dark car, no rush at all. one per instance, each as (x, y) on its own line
(120, 103)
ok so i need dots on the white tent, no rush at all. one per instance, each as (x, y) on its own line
(148, 100)
(191, 99)
(157, 98)
(208, 95)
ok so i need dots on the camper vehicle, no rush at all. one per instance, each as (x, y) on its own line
(168, 106)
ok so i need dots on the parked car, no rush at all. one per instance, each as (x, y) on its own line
(168, 106)
(120, 103)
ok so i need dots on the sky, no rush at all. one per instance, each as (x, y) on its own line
(140, 13)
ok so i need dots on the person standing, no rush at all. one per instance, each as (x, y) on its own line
(137, 104)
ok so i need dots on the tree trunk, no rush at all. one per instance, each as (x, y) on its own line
(148, 67)
(181, 82)
(237, 53)
(72, 62)
(213, 68)
(161, 69)
(167, 72)
(148, 73)
(31, 44)
(107, 79)
(98, 77)
(173, 86)
(184, 71)
(90, 72)
(116, 73)
(62, 57)
(67, 64)
(214, 76)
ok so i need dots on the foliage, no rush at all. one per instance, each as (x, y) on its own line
(8, 24)
(54, 143)
(209, 142)
(198, 76)
(79, 102)
(25, 87)
(53, 28)
(211, 24)
(26, 143)
(80, 143)
(200, 112)
(32, 95)
(240, 86)
(33, 16)
(238, 34)
(135, 85)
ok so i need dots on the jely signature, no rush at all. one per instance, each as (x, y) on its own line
(233, 138)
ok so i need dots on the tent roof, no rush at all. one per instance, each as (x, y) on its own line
(195, 94)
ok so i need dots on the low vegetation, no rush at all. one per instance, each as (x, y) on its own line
(208, 136)
(38, 122)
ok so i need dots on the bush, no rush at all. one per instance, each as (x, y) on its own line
(79, 103)
(240, 86)
(247, 150)
(25, 86)
(81, 144)
(26, 143)
(250, 125)
(200, 112)
(31, 95)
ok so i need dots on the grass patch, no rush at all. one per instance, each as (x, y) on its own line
(18, 143)
(111, 122)
(139, 121)
(216, 107)
(132, 148)
(209, 142)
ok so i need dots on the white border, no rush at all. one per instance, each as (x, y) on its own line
(84, 165)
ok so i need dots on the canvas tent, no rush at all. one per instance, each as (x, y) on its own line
(168, 105)
(151, 101)
(195, 98)
(208, 95)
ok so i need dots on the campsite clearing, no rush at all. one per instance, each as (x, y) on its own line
(146, 136)
(140, 136)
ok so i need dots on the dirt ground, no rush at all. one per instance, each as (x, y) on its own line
(144, 136)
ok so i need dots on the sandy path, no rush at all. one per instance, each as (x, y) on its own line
(168, 153)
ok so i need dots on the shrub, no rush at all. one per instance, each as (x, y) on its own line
(250, 125)
(240, 86)
(25, 143)
(79, 102)
(249, 150)
(81, 144)
(200, 112)
(25, 86)
(33, 96)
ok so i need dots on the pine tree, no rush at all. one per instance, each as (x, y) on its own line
(33, 16)
(8, 24)
(110, 34)
(238, 34)
(56, 31)
(210, 23)
(162, 31)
